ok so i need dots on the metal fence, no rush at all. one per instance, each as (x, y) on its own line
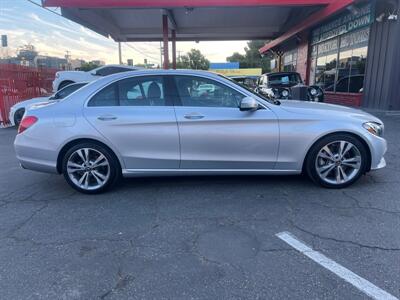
(19, 83)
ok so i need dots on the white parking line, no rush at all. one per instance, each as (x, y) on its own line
(362, 284)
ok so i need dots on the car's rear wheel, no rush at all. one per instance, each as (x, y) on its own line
(90, 168)
(18, 116)
(337, 161)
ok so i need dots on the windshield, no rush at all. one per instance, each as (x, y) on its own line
(69, 89)
(249, 90)
(284, 79)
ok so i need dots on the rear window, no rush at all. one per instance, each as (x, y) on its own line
(284, 79)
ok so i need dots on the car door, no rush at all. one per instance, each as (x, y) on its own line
(137, 117)
(215, 134)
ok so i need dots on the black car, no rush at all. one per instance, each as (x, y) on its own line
(248, 81)
(288, 85)
(348, 84)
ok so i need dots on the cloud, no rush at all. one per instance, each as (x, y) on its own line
(36, 18)
(53, 35)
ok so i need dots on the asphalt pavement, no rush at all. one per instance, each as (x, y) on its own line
(197, 237)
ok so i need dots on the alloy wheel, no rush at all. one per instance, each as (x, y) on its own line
(88, 168)
(338, 162)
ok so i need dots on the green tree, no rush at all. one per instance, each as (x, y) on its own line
(193, 60)
(252, 58)
(88, 66)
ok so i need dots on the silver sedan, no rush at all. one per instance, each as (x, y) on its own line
(176, 122)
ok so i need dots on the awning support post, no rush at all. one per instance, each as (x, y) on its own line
(173, 49)
(165, 40)
(120, 53)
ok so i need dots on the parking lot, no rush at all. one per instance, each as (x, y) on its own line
(196, 237)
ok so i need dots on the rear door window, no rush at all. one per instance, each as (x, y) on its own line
(142, 91)
(134, 91)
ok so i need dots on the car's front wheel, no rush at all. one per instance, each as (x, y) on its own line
(337, 161)
(90, 168)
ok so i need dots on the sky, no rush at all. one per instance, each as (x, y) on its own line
(25, 23)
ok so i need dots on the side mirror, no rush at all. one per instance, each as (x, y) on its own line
(248, 104)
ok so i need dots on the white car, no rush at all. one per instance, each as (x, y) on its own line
(64, 78)
(18, 110)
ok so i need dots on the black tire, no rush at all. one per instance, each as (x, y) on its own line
(18, 116)
(310, 166)
(64, 84)
(114, 167)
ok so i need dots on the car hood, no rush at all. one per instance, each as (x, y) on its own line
(326, 110)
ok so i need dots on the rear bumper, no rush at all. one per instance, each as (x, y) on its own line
(37, 165)
(34, 158)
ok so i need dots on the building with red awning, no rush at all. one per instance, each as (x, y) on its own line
(348, 47)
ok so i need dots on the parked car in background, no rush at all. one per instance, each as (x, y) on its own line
(104, 131)
(64, 78)
(17, 111)
(348, 84)
(249, 81)
(288, 85)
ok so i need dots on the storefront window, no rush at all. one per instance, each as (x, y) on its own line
(341, 68)
(290, 61)
(326, 64)
(352, 59)
(339, 50)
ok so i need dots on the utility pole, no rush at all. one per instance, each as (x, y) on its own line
(120, 53)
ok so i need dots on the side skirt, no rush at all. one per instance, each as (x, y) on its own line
(188, 172)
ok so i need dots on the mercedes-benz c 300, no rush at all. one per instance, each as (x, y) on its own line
(165, 122)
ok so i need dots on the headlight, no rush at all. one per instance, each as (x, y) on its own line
(268, 92)
(57, 75)
(285, 93)
(374, 128)
(313, 92)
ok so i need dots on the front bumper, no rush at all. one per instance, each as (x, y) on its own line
(55, 85)
(378, 147)
(381, 165)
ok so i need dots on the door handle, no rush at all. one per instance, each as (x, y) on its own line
(193, 116)
(107, 118)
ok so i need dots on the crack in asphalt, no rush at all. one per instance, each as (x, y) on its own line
(292, 214)
(122, 282)
(318, 236)
(26, 221)
(358, 205)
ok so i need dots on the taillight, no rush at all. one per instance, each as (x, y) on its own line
(26, 123)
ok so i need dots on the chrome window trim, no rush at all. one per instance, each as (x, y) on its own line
(229, 84)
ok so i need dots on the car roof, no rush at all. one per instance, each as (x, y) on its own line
(281, 73)
(120, 66)
(244, 76)
(151, 72)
